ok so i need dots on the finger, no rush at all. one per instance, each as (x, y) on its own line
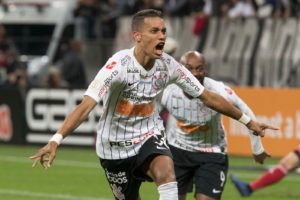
(45, 165)
(262, 133)
(51, 158)
(44, 159)
(34, 163)
(265, 126)
(34, 156)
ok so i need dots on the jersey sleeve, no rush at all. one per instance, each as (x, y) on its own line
(108, 76)
(231, 96)
(182, 77)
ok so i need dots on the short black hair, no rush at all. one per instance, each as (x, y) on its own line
(138, 18)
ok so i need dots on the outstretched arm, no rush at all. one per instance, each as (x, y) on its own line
(46, 154)
(259, 153)
(219, 104)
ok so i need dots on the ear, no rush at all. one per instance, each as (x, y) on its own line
(137, 36)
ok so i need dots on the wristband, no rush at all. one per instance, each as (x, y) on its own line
(57, 137)
(244, 119)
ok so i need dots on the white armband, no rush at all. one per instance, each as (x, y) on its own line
(245, 119)
(57, 137)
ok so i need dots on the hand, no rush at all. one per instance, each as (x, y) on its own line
(45, 155)
(260, 158)
(259, 128)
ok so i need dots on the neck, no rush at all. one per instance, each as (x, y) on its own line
(143, 59)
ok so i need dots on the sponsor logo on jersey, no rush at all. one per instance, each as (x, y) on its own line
(161, 68)
(181, 72)
(111, 65)
(128, 143)
(228, 90)
(132, 70)
(107, 83)
(119, 177)
(125, 60)
(200, 149)
(130, 84)
(191, 83)
(133, 97)
(162, 143)
(117, 190)
(215, 191)
(166, 60)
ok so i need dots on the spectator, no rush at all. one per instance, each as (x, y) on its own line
(72, 66)
(19, 78)
(240, 8)
(8, 56)
(85, 19)
(110, 11)
(177, 8)
(200, 16)
(55, 79)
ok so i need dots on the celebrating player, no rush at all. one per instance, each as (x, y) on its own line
(196, 135)
(130, 135)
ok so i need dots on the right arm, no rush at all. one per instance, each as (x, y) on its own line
(47, 154)
(79, 114)
(100, 86)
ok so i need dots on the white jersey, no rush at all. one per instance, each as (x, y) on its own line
(131, 108)
(194, 127)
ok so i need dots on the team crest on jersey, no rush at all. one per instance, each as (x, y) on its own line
(161, 68)
(159, 80)
(111, 65)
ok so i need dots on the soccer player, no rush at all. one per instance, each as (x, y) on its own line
(287, 164)
(196, 135)
(130, 134)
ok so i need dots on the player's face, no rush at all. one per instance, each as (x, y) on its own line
(152, 37)
(196, 65)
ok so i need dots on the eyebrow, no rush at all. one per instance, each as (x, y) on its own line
(156, 28)
(198, 66)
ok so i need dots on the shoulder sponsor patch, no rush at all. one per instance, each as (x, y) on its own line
(111, 65)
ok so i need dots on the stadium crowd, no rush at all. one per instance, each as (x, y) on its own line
(96, 19)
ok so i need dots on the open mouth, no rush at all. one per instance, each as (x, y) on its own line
(159, 48)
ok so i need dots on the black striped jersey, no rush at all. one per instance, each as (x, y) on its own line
(129, 94)
(192, 126)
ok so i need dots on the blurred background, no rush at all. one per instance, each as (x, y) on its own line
(51, 49)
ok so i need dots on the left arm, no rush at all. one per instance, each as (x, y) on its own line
(258, 151)
(219, 104)
(190, 85)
